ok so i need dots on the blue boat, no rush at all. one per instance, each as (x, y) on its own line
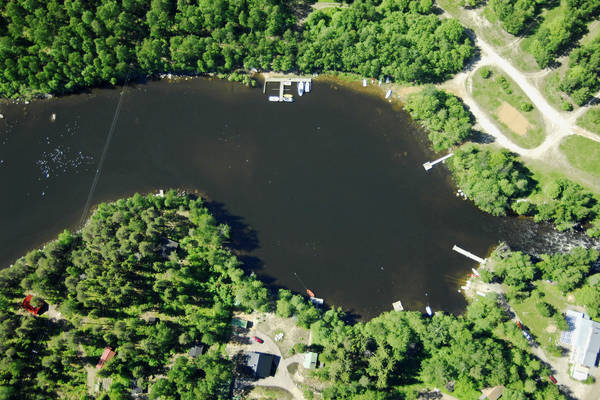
(300, 88)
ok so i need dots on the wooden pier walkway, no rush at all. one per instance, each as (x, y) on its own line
(282, 83)
(468, 254)
(429, 164)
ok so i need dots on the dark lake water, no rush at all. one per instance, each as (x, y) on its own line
(327, 192)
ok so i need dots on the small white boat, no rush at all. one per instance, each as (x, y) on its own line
(274, 98)
(388, 94)
(307, 86)
(364, 82)
(428, 309)
(288, 98)
(300, 88)
(387, 79)
(287, 83)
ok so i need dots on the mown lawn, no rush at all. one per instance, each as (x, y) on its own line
(533, 321)
(582, 153)
(590, 120)
(490, 94)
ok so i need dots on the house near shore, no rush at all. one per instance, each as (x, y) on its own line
(491, 393)
(261, 364)
(106, 356)
(167, 246)
(583, 336)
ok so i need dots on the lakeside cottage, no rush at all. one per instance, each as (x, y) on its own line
(492, 393)
(106, 356)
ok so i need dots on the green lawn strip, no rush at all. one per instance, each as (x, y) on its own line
(590, 120)
(490, 95)
(533, 321)
(582, 153)
(545, 173)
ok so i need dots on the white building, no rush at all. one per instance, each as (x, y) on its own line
(584, 338)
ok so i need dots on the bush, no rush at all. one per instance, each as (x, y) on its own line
(525, 106)
(504, 84)
(566, 106)
(485, 72)
(486, 275)
(545, 309)
(561, 321)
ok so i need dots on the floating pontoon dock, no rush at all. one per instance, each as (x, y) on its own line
(398, 306)
(429, 164)
(468, 254)
(283, 82)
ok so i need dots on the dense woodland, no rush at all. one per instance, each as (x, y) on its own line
(550, 39)
(582, 80)
(499, 183)
(60, 46)
(444, 115)
(106, 282)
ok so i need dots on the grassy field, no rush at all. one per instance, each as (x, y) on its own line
(543, 329)
(590, 120)
(491, 95)
(582, 153)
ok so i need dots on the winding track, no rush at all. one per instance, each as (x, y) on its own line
(558, 124)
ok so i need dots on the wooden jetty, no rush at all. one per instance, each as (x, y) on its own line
(429, 164)
(468, 254)
(283, 82)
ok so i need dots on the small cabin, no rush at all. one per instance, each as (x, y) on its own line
(310, 360)
(106, 356)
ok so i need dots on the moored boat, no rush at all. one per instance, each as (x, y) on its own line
(429, 312)
(288, 98)
(388, 94)
(274, 98)
(307, 86)
(310, 293)
(300, 88)
(364, 82)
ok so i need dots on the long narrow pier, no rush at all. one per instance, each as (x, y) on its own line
(429, 164)
(468, 254)
(282, 83)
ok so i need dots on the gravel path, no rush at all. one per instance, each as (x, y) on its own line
(559, 124)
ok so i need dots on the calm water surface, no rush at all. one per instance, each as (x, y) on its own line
(328, 192)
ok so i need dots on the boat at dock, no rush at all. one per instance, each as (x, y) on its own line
(310, 293)
(364, 82)
(274, 98)
(429, 312)
(300, 88)
(288, 98)
(307, 86)
(388, 94)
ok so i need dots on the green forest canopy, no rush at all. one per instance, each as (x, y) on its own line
(59, 46)
(105, 281)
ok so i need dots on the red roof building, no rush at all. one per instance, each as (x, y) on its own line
(107, 354)
(27, 305)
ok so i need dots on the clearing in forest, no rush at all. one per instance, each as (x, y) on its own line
(512, 118)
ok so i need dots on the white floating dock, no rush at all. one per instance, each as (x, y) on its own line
(429, 164)
(398, 306)
(468, 254)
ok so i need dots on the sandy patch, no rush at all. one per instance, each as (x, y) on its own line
(512, 118)
(551, 328)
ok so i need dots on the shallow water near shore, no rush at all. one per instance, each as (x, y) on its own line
(328, 192)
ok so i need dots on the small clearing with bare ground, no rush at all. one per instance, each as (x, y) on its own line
(512, 118)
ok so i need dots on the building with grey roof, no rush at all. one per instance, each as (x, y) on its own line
(585, 345)
(261, 364)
